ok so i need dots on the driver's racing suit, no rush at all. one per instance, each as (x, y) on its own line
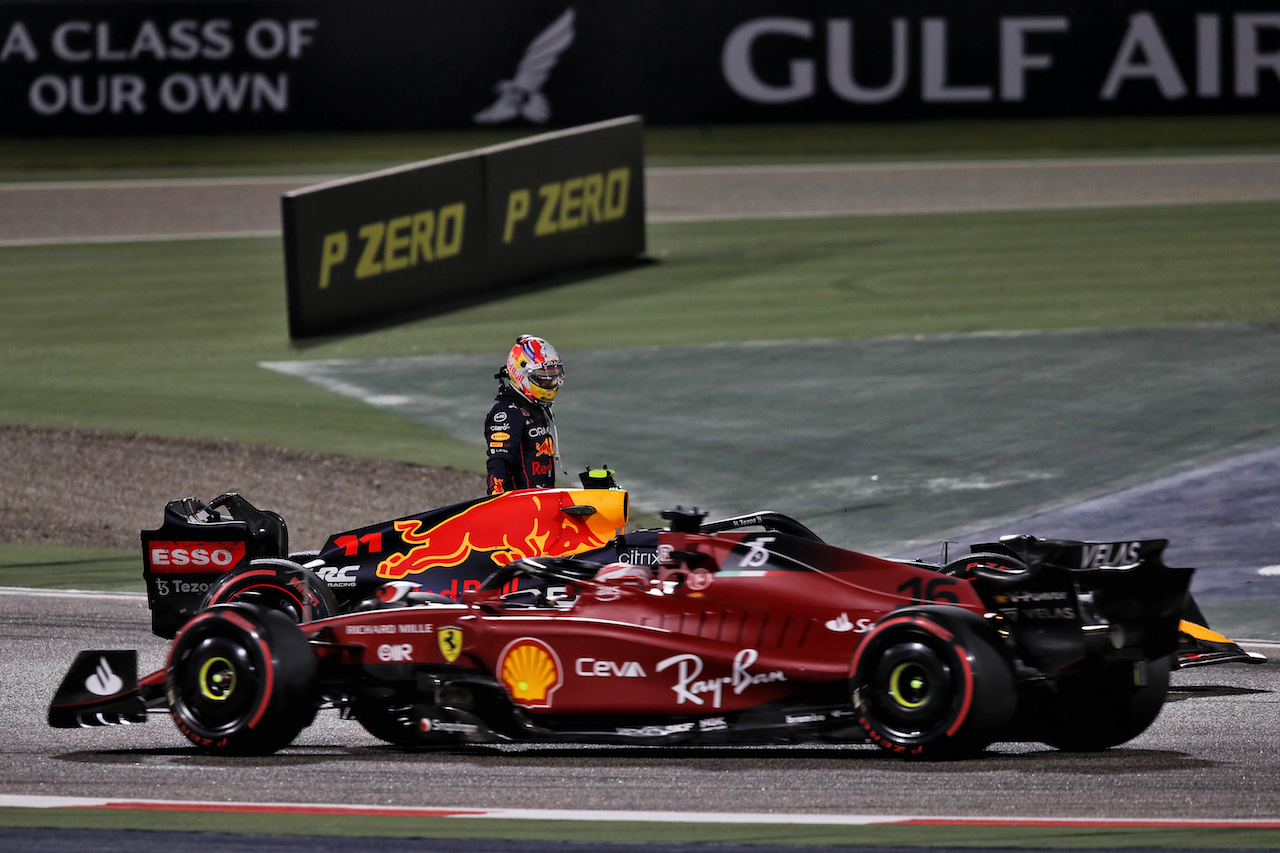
(520, 437)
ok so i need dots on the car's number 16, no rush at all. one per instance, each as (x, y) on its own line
(936, 591)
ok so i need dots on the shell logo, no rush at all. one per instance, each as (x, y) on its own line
(530, 670)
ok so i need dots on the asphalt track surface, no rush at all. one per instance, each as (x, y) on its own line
(74, 211)
(1210, 753)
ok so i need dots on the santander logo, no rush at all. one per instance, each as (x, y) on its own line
(104, 682)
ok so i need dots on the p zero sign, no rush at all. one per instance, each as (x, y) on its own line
(429, 234)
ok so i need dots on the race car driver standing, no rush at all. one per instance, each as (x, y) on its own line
(520, 431)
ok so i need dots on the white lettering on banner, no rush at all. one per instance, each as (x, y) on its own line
(1208, 61)
(840, 64)
(1250, 61)
(936, 88)
(182, 40)
(181, 93)
(800, 83)
(61, 42)
(268, 39)
(1015, 62)
(113, 93)
(1143, 55)
(740, 74)
(78, 42)
(178, 94)
(18, 41)
(86, 41)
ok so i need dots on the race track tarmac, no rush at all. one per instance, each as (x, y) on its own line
(73, 211)
(1210, 753)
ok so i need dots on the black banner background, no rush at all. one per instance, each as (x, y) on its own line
(415, 238)
(144, 67)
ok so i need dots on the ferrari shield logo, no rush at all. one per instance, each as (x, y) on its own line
(450, 642)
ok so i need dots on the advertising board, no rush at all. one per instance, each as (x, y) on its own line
(420, 237)
(173, 66)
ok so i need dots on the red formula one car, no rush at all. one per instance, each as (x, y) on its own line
(735, 635)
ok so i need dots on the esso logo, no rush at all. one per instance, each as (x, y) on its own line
(196, 556)
(393, 653)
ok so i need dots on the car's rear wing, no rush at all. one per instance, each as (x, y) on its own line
(1074, 554)
(196, 545)
(1067, 601)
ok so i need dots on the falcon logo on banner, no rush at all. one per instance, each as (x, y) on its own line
(522, 95)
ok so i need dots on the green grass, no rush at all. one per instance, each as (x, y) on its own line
(307, 153)
(61, 567)
(165, 338)
(585, 832)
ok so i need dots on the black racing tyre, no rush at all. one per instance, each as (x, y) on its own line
(277, 584)
(241, 680)
(927, 682)
(1097, 709)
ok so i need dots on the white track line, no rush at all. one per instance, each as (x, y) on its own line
(737, 818)
(161, 183)
(9, 591)
(935, 165)
(136, 238)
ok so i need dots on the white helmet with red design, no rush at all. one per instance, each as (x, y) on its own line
(534, 369)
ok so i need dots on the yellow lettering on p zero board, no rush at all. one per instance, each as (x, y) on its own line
(369, 265)
(396, 255)
(592, 190)
(570, 204)
(615, 193)
(517, 210)
(449, 234)
(546, 216)
(398, 243)
(333, 253)
(424, 225)
(575, 202)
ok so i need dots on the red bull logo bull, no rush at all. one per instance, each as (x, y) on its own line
(546, 448)
(507, 528)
